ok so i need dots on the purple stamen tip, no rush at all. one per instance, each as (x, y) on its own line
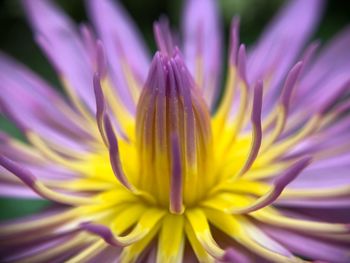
(114, 152)
(24, 175)
(242, 62)
(256, 123)
(257, 103)
(101, 59)
(234, 40)
(100, 103)
(99, 230)
(290, 83)
(282, 181)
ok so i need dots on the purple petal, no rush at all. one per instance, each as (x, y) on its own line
(289, 31)
(30, 159)
(123, 45)
(332, 172)
(318, 203)
(59, 38)
(17, 191)
(32, 104)
(31, 181)
(101, 59)
(327, 74)
(37, 248)
(234, 256)
(329, 214)
(309, 247)
(25, 176)
(202, 40)
(109, 254)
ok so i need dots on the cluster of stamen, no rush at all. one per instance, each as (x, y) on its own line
(173, 135)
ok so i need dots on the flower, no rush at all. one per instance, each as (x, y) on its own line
(141, 165)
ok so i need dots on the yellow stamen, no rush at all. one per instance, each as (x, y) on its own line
(271, 216)
(61, 198)
(200, 226)
(89, 252)
(171, 243)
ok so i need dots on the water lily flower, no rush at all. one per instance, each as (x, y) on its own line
(144, 162)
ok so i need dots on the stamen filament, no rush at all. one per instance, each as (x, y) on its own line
(30, 180)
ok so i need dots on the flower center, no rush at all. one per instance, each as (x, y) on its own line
(173, 136)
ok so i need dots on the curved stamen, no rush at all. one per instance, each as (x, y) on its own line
(316, 193)
(45, 148)
(271, 216)
(281, 147)
(114, 154)
(89, 252)
(244, 100)
(100, 107)
(290, 84)
(279, 115)
(234, 227)
(230, 86)
(197, 247)
(283, 107)
(31, 181)
(146, 223)
(201, 229)
(171, 243)
(53, 252)
(34, 224)
(132, 253)
(256, 128)
(261, 249)
(310, 53)
(278, 186)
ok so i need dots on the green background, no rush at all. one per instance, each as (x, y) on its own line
(16, 39)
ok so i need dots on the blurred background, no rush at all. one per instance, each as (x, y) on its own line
(16, 40)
